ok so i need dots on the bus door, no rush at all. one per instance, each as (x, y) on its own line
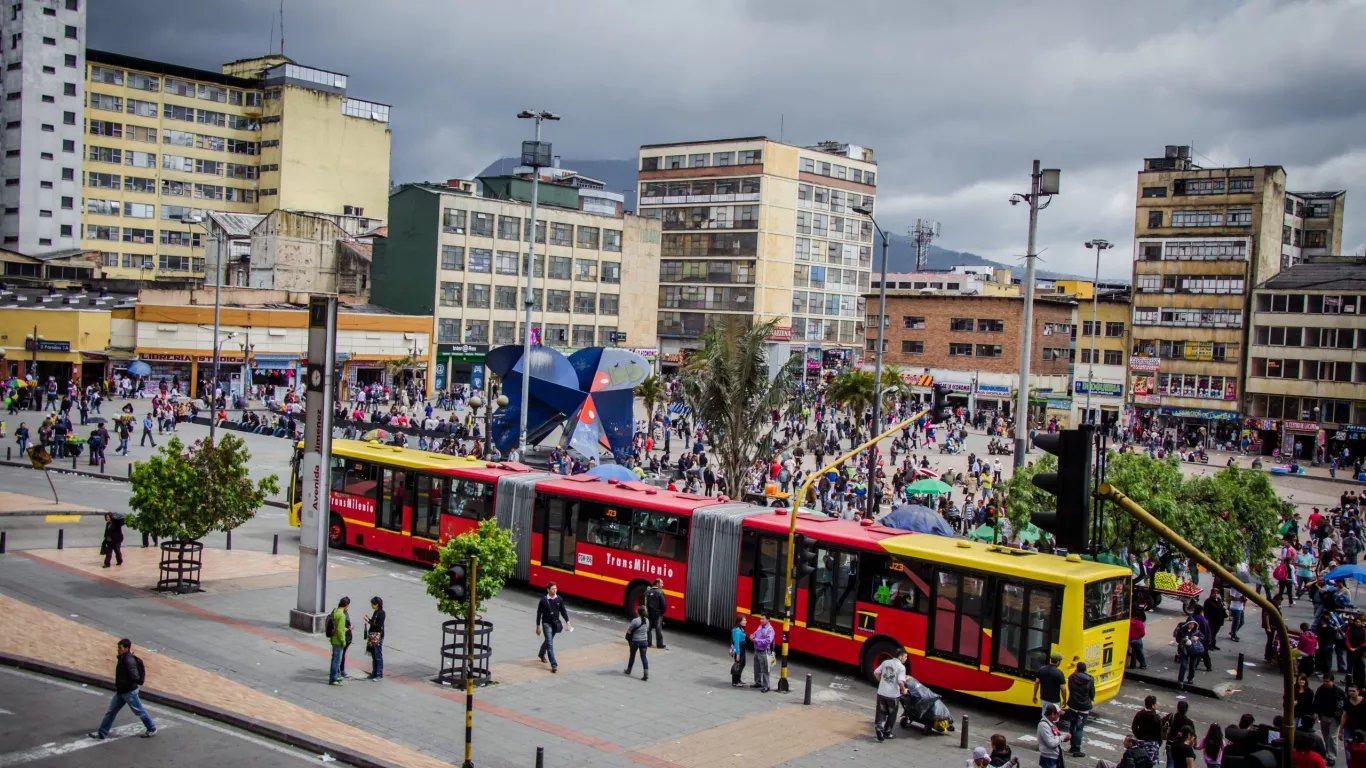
(833, 591)
(561, 533)
(1025, 627)
(394, 498)
(957, 615)
(766, 558)
(428, 503)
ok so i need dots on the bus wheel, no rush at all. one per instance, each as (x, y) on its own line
(635, 596)
(336, 532)
(874, 653)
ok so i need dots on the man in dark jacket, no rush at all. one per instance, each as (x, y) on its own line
(551, 619)
(1081, 698)
(113, 538)
(129, 675)
(1329, 702)
(1215, 614)
(656, 604)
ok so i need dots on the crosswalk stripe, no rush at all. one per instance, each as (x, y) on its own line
(53, 749)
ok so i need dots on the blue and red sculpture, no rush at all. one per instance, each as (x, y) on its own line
(591, 393)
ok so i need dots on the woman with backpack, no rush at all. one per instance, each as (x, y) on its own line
(1190, 649)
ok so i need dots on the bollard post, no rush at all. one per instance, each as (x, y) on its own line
(130, 469)
(540, 757)
(73, 462)
(1238, 676)
(61, 534)
(2, 542)
(806, 698)
(275, 545)
(963, 741)
(229, 539)
(7, 455)
(102, 472)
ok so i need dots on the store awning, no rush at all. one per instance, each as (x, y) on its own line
(274, 362)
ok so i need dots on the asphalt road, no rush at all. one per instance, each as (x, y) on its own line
(51, 719)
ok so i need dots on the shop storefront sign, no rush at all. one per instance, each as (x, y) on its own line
(779, 334)
(1300, 426)
(274, 362)
(463, 353)
(43, 345)
(964, 387)
(993, 390)
(232, 359)
(648, 354)
(918, 379)
(1147, 399)
(1198, 413)
(672, 358)
(1144, 363)
(1103, 388)
(163, 357)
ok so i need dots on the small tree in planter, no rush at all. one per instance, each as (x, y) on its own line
(497, 555)
(180, 495)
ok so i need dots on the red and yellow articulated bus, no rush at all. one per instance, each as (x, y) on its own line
(976, 618)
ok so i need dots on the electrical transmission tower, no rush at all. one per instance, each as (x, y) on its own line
(921, 235)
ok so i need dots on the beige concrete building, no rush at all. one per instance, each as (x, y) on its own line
(164, 143)
(1313, 226)
(463, 258)
(1306, 372)
(758, 229)
(289, 251)
(1202, 238)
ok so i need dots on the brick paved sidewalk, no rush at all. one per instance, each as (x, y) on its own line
(21, 504)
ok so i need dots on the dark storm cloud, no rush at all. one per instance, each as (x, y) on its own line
(956, 99)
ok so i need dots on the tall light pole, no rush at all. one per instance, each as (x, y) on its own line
(1101, 246)
(873, 494)
(217, 302)
(1042, 184)
(537, 156)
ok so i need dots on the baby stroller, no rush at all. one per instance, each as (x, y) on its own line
(921, 705)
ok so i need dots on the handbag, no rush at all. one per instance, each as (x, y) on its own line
(373, 639)
(737, 667)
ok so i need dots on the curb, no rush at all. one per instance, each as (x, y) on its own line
(250, 724)
(46, 512)
(1162, 682)
(101, 476)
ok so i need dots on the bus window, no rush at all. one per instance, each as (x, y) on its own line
(393, 498)
(659, 534)
(1026, 627)
(830, 602)
(769, 562)
(1107, 601)
(605, 526)
(427, 507)
(338, 472)
(956, 621)
(884, 581)
(355, 478)
(471, 499)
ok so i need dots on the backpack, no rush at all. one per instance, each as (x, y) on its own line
(330, 626)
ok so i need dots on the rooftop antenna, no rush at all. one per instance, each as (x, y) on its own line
(922, 234)
(782, 123)
(270, 44)
(282, 27)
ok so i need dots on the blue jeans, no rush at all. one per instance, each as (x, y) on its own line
(1236, 618)
(1078, 729)
(134, 703)
(548, 644)
(1048, 762)
(1187, 669)
(644, 662)
(1136, 656)
(335, 673)
(377, 666)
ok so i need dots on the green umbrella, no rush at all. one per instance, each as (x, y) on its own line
(1030, 534)
(984, 532)
(929, 485)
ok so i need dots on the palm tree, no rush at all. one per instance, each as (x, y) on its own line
(891, 379)
(650, 391)
(731, 392)
(852, 388)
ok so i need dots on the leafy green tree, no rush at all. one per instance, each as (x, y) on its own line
(651, 392)
(497, 553)
(729, 388)
(182, 494)
(852, 388)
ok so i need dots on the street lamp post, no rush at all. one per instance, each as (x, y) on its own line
(1101, 246)
(217, 303)
(476, 403)
(873, 494)
(1043, 183)
(528, 298)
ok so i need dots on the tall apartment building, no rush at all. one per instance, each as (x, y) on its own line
(1203, 237)
(464, 258)
(40, 147)
(165, 142)
(1306, 375)
(1313, 226)
(1102, 325)
(757, 229)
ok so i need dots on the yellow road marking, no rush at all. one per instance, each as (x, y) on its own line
(63, 518)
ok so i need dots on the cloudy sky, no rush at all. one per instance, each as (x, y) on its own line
(955, 99)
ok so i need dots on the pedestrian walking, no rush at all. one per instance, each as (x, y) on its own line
(1081, 698)
(551, 620)
(656, 604)
(112, 545)
(1050, 737)
(1190, 649)
(891, 686)
(129, 676)
(1330, 702)
(1179, 727)
(147, 432)
(374, 638)
(1182, 750)
(1237, 605)
(763, 650)
(335, 627)
(21, 435)
(737, 652)
(1138, 629)
(638, 638)
(1050, 683)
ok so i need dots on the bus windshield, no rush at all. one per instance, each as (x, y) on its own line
(1107, 601)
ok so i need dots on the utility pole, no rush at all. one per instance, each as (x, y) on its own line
(1100, 246)
(1041, 182)
(873, 493)
(538, 156)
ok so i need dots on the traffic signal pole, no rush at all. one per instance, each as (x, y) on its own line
(788, 586)
(1107, 491)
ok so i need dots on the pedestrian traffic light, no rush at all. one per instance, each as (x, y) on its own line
(805, 562)
(1070, 524)
(939, 407)
(458, 590)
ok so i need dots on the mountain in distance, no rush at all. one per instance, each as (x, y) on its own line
(620, 176)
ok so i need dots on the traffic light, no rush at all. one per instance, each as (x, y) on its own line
(1071, 484)
(805, 562)
(939, 406)
(458, 590)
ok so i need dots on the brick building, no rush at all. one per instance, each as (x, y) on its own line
(972, 344)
